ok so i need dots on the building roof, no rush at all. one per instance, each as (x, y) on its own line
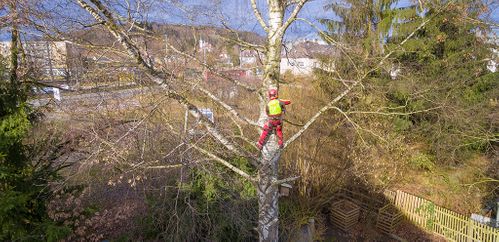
(250, 53)
(308, 49)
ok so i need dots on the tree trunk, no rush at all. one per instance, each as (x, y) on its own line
(14, 48)
(268, 210)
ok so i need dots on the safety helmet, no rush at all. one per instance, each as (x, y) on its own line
(272, 94)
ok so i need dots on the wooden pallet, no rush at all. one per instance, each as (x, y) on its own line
(389, 218)
(345, 214)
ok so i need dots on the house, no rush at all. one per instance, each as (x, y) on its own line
(205, 46)
(313, 37)
(48, 57)
(224, 59)
(303, 57)
(493, 40)
(250, 57)
(492, 64)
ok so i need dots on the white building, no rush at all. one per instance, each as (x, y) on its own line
(48, 56)
(303, 57)
(205, 46)
(493, 63)
(299, 66)
(250, 57)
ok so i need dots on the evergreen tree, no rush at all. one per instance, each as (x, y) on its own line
(446, 63)
(366, 24)
(442, 70)
(24, 187)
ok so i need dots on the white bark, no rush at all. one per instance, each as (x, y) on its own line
(258, 16)
(267, 192)
(156, 77)
(267, 182)
(268, 210)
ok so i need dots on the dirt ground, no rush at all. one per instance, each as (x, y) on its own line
(368, 233)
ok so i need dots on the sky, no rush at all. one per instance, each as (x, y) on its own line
(237, 14)
(241, 16)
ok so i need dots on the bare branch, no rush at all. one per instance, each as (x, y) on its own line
(176, 165)
(393, 113)
(345, 92)
(289, 179)
(319, 113)
(157, 77)
(292, 17)
(165, 166)
(215, 157)
(211, 69)
(225, 163)
(357, 127)
(229, 109)
(258, 16)
(241, 42)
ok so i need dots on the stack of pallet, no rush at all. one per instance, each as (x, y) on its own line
(389, 218)
(345, 214)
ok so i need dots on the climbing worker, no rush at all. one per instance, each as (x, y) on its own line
(275, 109)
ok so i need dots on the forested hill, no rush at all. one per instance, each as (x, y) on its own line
(180, 34)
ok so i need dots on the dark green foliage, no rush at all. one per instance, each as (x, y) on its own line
(206, 204)
(445, 69)
(367, 23)
(23, 185)
(444, 95)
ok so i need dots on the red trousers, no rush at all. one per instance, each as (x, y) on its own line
(268, 127)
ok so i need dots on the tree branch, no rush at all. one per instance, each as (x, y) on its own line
(345, 92)
(225, 163)
(292, 17)
(392, 113)
(258, 16)
(217, 158)
(157, 77)
(319, 113)
(289, 179)
(229, 109)
(211, 69)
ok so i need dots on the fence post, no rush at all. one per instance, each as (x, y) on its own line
(469, 235)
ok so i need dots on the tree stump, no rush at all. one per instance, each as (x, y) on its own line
(345, 214)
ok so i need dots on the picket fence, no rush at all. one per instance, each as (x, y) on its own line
(449, 224)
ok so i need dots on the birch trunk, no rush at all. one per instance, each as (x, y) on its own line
(267, 190)
(268, 210)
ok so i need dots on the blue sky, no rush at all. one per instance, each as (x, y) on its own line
(238, 14)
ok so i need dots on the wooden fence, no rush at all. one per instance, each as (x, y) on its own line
(451, 225)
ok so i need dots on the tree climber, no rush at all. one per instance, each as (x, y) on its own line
(275, 109)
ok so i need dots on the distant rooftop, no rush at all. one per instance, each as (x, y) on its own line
(307, 49)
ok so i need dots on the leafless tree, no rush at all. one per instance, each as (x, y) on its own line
(275, 25)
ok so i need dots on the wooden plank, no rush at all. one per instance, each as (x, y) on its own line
(455, 231)
(436, 223)
(449, 224)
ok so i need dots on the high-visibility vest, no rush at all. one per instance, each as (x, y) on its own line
(274, 107)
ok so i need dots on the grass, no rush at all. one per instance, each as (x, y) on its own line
(448, 186)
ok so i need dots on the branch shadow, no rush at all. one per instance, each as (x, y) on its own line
(378, 219)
